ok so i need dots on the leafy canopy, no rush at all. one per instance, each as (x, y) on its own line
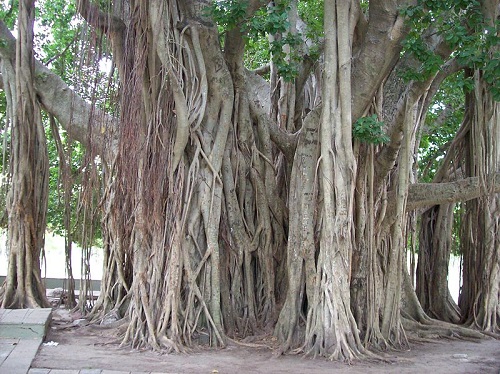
(271, 20)
(461, 24)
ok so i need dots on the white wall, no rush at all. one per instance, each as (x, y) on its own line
(55, 265)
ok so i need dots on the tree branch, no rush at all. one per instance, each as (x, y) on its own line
(422, 195)
(83, 122)
(264, 69)
(377, 54)
(110, 25)
(286, 142)
(103, 21)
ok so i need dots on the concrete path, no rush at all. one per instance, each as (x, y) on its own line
(21, 333)
(86, 371)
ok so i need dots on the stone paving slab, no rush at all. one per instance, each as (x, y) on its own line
(87, 371)
(21, 333)
(24, 323)
(6, 347)
(19, 359)
(39, 371)
(25, 316)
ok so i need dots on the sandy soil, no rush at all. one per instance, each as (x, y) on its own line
(86, 347)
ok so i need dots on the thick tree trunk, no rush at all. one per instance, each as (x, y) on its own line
(201, 263)
(301, 249)
(480, 297)
(27, 198)
(172, 247)
(331, 330)
(435, 244)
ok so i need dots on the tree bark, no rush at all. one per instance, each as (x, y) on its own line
(435, 245)
(331, 329)
(425, 195)
(27, 197)
(479, 300)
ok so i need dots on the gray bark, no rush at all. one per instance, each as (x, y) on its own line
(423, 195)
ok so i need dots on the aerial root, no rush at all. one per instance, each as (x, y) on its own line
(171, 346)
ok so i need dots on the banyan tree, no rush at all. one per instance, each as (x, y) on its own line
(281, 200)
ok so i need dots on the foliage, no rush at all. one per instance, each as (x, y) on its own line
(270, 20)
(8, 13)
(463, 27)
(257, 53)
(311, 12)
(369, 130)
(57, 34)
(228, 13)
(438, 132)
(431, 62)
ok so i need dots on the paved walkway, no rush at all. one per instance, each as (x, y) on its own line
(86, 371)
(21, 333)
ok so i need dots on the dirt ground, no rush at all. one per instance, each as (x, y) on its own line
(86, 347)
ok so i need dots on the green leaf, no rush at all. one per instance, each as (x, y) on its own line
(369, 130)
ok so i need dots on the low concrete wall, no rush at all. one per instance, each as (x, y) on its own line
(51, 283)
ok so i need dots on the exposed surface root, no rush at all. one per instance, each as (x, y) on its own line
(430, 328)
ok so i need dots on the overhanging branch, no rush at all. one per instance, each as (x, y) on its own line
(103, 21)
(83, 122)
(286, 142)
(421, 195)
(110, 25)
